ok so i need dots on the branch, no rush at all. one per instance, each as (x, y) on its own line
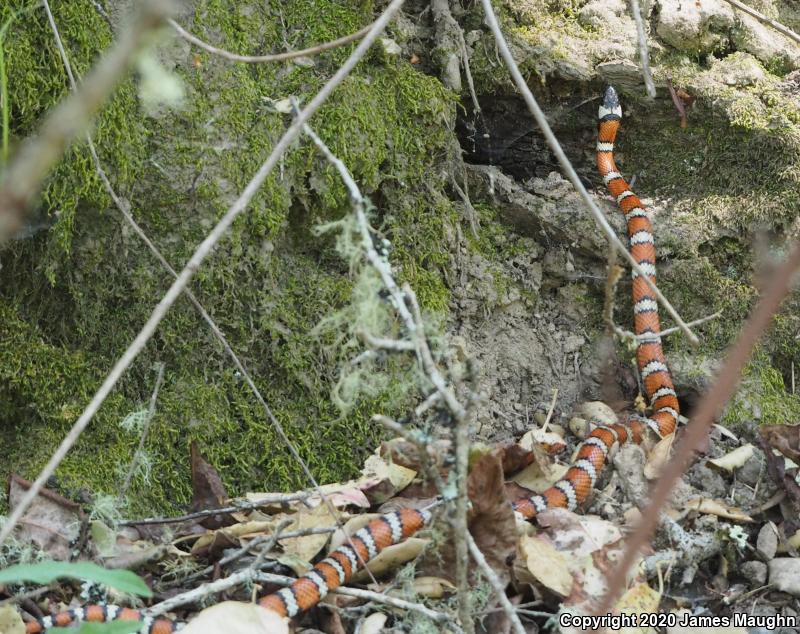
(200, 254)
(24, 177)
(555, 146)
(768, 21)
(496, 584)
(277, 57)
(644, 53)
(701, 422)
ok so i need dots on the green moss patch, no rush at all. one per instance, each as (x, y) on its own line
(75, 296)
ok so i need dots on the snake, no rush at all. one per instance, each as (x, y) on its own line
(569, 492)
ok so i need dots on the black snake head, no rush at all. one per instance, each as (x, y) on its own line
(610, 108)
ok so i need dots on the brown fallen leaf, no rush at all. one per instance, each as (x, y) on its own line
(381, 480)
(208, 492)
(52, 522)
(734, 459)
(515, 457)
(718, 508)
(658, 457)
(544, 564)
(781, 469)
(491, 518)
(391, 558)
(784, 438)
(638, 599)
(432, 587)
(538, 478)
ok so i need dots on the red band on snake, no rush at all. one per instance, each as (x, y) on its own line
(569, 492)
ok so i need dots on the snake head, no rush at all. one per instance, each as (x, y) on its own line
(610, 107)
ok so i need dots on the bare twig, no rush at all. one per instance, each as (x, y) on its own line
(250, 574)
(644, 53)
(200, 254)
(496, 584)
(555, 146)
(406, 304)
(674, 329)
(551, 410)
(26, 173)
(709, 407)
(277, 57)
(151, 410)
(242, 506)
(377, 597)
(764, 19)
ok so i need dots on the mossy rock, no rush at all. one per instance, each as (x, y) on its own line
(73, 296)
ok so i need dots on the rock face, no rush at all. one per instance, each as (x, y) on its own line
(712, 25)
(695, 27)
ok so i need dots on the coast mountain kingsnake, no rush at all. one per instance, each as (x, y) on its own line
(569, 492)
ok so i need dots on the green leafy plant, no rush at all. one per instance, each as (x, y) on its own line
(48, 571)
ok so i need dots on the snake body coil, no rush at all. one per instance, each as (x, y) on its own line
(569, 492)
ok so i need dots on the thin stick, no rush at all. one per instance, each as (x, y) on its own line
(768, 21)
(697, 430)
(496, 584)
(151, 410)
(377, 597)
(644, 53)
(200, 254)
(243, 506)
(674, 329)
(277, 57)
(551, 410)
(555, 146)
(24, 176)
(250, 574)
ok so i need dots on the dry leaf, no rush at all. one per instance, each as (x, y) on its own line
(659, 456)
(307, 547)
(432, 587)
(373, 624)
(639, 599)
(515, 457)
(598, 413)
(491, 518)
(233, 617)
(230, 535)
(382, 480)
(718, 508)
(784, 438)
(208, 492)
(545, 564)
(734, 459)
(298, 565)
(10, 621)
(52, 522)
(535, 478)
(549, 441)
(392, 558)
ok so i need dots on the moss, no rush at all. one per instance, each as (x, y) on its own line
(762, 397)
(76, 296)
